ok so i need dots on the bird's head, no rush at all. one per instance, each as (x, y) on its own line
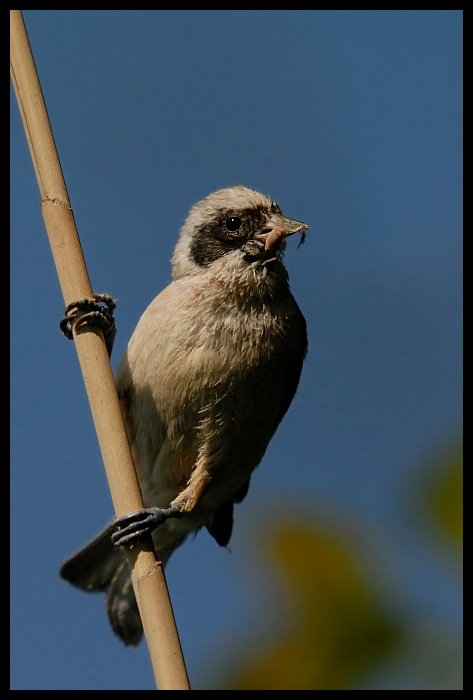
(235, 227)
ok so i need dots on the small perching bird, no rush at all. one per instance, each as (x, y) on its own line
(208, 374)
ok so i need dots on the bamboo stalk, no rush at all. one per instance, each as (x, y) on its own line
(147, 574)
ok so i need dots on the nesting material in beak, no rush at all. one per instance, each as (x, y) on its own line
(278, 229)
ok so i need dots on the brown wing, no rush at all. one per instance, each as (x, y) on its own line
(294, 368)
(222, 523)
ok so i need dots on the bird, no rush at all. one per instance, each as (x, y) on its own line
(208, 374)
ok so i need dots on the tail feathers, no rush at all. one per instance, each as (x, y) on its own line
(122, 609)
(100, 566)
(94, 566)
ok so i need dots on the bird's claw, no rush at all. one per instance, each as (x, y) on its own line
(92, 314)
(134, 526)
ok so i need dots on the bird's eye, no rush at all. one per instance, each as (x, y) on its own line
(233, 224)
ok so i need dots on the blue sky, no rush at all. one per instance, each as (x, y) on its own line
(352, 121)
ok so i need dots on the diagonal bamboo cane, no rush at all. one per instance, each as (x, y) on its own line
(147, 574)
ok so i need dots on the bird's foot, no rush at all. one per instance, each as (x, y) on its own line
(134, 526)
(92, 314)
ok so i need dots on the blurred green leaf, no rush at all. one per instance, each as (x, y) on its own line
(332, 629)
(446, 495)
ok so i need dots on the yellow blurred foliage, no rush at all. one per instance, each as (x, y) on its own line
(331, 628)
(446, 495)
(336, 628)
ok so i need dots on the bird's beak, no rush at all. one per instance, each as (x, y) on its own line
(277, 229)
